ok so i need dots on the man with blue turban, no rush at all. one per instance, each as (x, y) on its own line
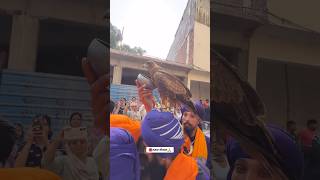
(196, 144)
(124, 157)
(161, 129)
(244, 167)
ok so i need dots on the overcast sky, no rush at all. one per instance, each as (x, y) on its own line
(150, 24)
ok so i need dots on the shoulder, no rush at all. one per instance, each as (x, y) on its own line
(92, 165)
(203, 171)
(207, 139)
(91, 161)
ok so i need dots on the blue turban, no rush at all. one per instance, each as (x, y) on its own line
(287, 148)
(161, 129)
(124, 157)
(199, 109)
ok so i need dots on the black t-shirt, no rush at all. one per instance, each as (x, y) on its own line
(35, 156)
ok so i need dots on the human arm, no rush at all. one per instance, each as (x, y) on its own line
(49, 155)
(145, 96)
(24, 153)
(99, 87)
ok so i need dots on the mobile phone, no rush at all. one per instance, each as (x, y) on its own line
(37, 127)
(75, 133)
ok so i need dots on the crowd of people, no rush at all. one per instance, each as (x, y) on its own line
(309, 143)
(69, 155)
(76, 152)
(300, 150)
(136, 110)
(129, 138)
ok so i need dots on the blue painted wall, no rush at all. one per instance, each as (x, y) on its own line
(25, 94)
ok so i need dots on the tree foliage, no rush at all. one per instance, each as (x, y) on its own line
(116, 38)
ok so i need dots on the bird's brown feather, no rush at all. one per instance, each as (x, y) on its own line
(238, 108)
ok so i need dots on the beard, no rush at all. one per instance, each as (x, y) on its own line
(188, 129)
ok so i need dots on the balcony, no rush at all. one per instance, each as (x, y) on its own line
(245, 9)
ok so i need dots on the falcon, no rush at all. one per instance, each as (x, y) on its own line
(238, 110)
(171, 89)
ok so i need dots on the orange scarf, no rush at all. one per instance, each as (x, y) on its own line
(27, 174)
(183, 167)
(199, 146)
(123, 121)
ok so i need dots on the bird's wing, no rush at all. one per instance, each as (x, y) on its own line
(171, 83)
(239, 109)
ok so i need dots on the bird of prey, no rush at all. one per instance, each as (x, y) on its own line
(238, 109)
(171, 89)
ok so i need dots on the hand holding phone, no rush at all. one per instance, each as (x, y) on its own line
(37, 128)
(75, 133)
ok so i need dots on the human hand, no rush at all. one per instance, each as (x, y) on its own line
(99, 94)
(145, 96)
(30, 136)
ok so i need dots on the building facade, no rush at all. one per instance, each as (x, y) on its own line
(41, 46)
(191, 46)
(276, 47)
(125, 68)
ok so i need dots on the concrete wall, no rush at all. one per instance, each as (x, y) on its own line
(270, 42)
(26, 18)
(200, 90)
(23, 43)
(305, 13)
(88, 12)
(201, 51)
(290, 91)
(229, 38)
(185, 27)
(121, 61)
(136, 63)
(199, 84)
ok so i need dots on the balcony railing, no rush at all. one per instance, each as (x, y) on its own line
(250, 9)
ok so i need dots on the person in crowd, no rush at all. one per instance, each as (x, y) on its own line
(7, 134)
(196, 143)
(124, 157)
(75, 120)
(220, 166)
(99, 89)
(308, 140)
(76, 165)
(36, 143)
(206, 110)
(133, 99)
(19, 143)
(142, 111)
(46, 123)
(19, 132)
(150, 164)
(243, 167)
(292, 129)
(133, 113)
(95, 136)
(121, 107)
(161, 129)
(307, 135)
(177, 112)
(125, 122)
